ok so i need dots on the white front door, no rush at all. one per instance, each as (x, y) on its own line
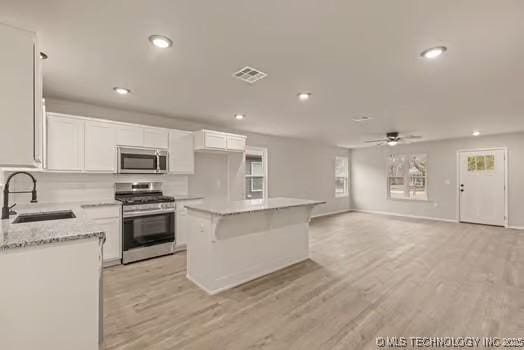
(482, 182)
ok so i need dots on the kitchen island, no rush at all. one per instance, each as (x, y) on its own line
(51, 279)
(232, 242)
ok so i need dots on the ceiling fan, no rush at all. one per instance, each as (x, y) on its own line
(393, 138)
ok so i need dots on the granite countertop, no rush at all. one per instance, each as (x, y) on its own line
(187, 197)
(45, 232)
(223, 207)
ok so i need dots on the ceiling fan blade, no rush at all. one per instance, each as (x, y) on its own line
(369, 141)
(411, 137)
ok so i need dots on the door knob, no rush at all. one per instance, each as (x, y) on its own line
(461, 190)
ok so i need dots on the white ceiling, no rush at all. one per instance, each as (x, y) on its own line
(356, 57)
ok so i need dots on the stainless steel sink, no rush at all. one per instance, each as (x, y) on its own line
(46, 216)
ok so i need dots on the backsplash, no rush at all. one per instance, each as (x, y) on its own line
(67, 187)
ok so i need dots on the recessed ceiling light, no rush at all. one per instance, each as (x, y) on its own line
(476, 133)
(239, 116)
(160, 41)
(43, 55)
(433, 52)
(304, 96)
(121, 91)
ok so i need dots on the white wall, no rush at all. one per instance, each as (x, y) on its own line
(368, 171)
(297, 168)
(60, 187)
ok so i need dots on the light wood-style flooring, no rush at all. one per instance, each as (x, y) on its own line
(369, 276)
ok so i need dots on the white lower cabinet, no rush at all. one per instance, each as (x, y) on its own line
(53, 297)
(109, 220)
(65, 143)
(182, 222)
(100, 143)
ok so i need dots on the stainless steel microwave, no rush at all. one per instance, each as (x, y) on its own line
(132, 160)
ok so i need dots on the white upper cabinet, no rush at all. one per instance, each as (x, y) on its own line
(236, 143)
(209, 140)
(100, 146)
(65, 143)
(90, 145)
(129, 135)
(156, 138)
(20, 98)
(181, 152)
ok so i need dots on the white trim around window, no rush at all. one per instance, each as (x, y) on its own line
(260, 151)
(341, 177)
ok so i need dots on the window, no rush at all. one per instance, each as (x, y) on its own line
(341, 176)
(407, 176)
(255, 177)
(481, 163)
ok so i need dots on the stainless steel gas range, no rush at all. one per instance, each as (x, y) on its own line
(148, 228)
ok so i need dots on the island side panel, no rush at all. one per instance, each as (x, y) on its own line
(51, 296)
(234, 249)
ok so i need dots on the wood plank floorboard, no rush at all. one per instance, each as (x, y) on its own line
(368, 276)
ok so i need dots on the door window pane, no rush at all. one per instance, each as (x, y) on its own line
(480, 163)
(472, 164)
(490, 162)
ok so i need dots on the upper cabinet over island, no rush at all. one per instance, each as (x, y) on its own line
(216, 141)
(21, 99)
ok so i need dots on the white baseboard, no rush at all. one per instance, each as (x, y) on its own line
(405, 215)
(332, 213)
(516, 227)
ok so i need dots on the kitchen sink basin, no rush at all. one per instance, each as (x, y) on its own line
(46, 216)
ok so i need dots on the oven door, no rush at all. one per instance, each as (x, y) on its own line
(135, 160)
(148, 230)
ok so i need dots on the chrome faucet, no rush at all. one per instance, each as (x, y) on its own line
(6, 208)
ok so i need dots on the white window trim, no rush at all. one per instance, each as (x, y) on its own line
(259, 151)
(346, 190)
(388, 192)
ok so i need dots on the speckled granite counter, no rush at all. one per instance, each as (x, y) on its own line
(186, 197)
(45, 232)
(223, 208)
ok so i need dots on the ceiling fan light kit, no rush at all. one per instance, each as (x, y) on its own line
(393, 138)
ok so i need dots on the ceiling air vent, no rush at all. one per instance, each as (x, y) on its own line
(249, 74)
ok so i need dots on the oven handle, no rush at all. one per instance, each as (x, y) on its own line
(133, 214)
